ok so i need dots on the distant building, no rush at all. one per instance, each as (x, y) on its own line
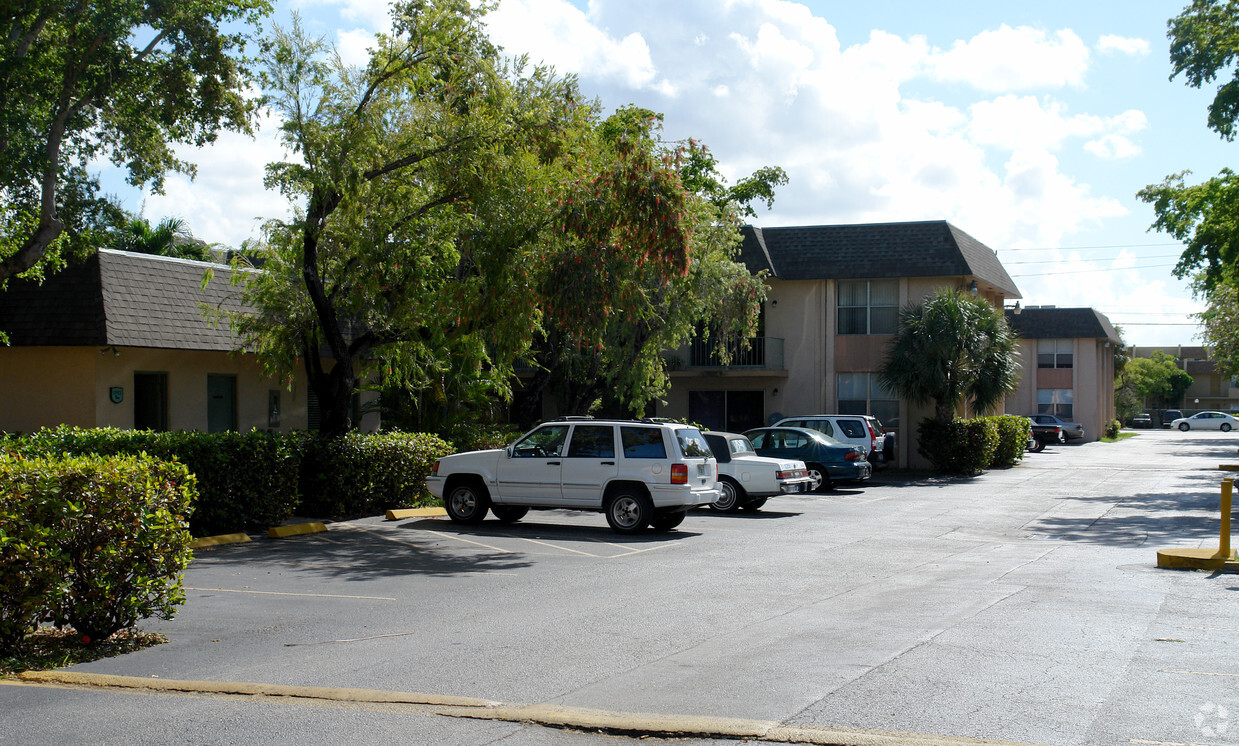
(1068, 359)
(1210, 390)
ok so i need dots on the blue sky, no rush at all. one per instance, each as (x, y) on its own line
(1029, 126)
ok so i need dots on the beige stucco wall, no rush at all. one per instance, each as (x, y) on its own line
(1091, 380)
(47, 386)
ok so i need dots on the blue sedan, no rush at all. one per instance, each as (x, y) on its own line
(829, 461)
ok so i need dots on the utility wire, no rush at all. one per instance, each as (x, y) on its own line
(1080, 248)
(1084, 271)
(1110, 259)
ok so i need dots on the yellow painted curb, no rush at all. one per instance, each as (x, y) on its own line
(1228, 467)
(402, 513)
(1195, 559)
(335, 694)
(214, 541)
(280, 532)
(550, 715)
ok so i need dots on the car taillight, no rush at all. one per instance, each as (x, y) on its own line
(790, 474)
(434, 470)
(679, 473)
(873, 436)
(851, 456)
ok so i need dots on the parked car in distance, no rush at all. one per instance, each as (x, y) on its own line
(1169, 416)
(1144, 419)
(861, 430)
(1206, 421)
(638, 472)
(746, 480)
(1073, 430)
(1044, 435)
(829, 462)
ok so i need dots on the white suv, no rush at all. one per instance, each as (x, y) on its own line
(638, 472)
(853, 429)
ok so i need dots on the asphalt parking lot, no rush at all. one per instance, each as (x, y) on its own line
(1021, 605)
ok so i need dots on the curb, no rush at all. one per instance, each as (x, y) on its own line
(402, 513)
(280, 532)
(652, 724)
(214, 541)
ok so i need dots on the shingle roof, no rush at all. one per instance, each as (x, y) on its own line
(921, 249)
(1061, 323)
(125, 299)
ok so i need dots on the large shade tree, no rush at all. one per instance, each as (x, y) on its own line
(1204, 48)
(120, 79)
(952, 349)
(449, 206)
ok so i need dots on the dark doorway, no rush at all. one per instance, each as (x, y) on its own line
(150, 401)
(221, 403)
(730, 411)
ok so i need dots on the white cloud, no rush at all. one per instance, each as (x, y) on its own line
(1014, 59)
(1111, 44)
(226, 202)
(375, 15)
(354, 46)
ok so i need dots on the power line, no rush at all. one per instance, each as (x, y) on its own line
(1084, 271)
(1111, 259)
(1080, 248)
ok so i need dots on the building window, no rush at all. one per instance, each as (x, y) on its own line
(862, 393)
(1056, 402)
(1055, 353)
(868, 306)
(221, 403)
(730, 411)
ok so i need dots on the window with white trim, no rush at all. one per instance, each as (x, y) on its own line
(1057, 402)
(868, 306)
(1055, 353)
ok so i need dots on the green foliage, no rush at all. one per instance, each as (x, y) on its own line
(170, 237)
(1156, 380)
(1203, 216)
(1220, 320)
(1113, 428)
(950, 349)
(367, 474)
(963, 447)
(123, 80)
(1013, 434)
(1204, 42)
(247, 482)
(118, 542)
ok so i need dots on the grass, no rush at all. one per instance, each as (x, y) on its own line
(48, 648)
(1121, 436)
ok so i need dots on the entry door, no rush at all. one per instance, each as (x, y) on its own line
(150, 401)
(221, 403)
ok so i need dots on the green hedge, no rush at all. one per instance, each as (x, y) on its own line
(1013, 434)
(368, 474)
(247, 481)
(1112, 429)
(958, 447)
(93, 542)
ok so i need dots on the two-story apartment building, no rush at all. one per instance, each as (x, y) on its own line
(834, 297)
(1068, 356)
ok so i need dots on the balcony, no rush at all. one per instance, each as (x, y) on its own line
(755, 353)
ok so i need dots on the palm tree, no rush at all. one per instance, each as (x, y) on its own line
(950, 349)
(171, 237)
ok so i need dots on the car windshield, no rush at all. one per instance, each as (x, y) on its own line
(692, 443)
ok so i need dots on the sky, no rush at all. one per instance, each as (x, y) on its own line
(1029, 126)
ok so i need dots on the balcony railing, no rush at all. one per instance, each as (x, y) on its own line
(756, 352)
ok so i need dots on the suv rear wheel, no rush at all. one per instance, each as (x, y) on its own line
(466, 502)
(628, 511)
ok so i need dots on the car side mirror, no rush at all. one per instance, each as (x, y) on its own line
(508, 451)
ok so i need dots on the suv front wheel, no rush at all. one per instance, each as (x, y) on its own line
(629, 511)
(466, 502)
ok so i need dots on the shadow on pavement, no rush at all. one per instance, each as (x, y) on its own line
(359, 555)
(534, 529)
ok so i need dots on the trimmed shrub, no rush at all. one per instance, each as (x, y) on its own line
(964, 447)
(1112, 429)
(482, 438)
(367, 474)
(120, 538)
(246, 481)
(1013, 434)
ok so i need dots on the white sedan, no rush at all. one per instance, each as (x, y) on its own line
(746, 480)
(1207, 421)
